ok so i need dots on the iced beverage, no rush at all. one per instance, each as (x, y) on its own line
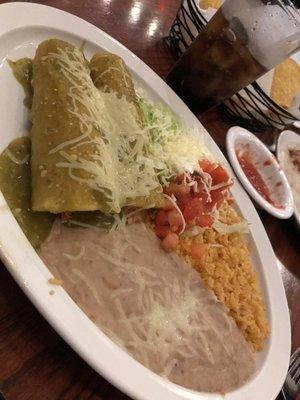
(243, 40)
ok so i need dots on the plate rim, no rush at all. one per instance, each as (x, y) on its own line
(286, 137)
(264, 385)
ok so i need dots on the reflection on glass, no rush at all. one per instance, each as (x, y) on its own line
(135, 12)
(153, 26)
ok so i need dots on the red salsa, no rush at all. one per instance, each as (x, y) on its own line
(254, 176)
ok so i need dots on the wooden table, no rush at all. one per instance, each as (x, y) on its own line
(35, 363)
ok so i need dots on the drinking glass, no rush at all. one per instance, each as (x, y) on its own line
(243, 40)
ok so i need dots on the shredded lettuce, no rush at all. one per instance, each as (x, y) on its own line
(173, 147)
(160, 121)
(194, 231)
(224, 229)
(220, 227)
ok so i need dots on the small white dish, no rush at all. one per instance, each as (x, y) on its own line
(268, 168)
(286, 140)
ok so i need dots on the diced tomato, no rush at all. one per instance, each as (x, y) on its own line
(204, 220)
(177, 189)
(193, 209)
(197, 250)
(168, 205)
(170, 242)
(179, 178)
(200, 185)
(194, 202)
(183, 190)
(176, 229)
(203, 196)
(169, 189)
(174, 218)
(219, 175)
(161, 218)
(162, 231)
(182, 201)
(207, 166)
(217, 197)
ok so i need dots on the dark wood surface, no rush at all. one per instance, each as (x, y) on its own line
(35, 363)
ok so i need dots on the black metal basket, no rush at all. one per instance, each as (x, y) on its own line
(254, 109)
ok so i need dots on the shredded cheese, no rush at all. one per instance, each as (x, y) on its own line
(118, 165)
(74, 257)
(14, 159)
(92, 288)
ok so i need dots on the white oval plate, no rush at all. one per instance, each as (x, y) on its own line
(286, 140)
(23, 26)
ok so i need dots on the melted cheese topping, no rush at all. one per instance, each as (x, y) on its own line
(119, 167)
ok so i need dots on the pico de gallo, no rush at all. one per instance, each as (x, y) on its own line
(191, 200)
